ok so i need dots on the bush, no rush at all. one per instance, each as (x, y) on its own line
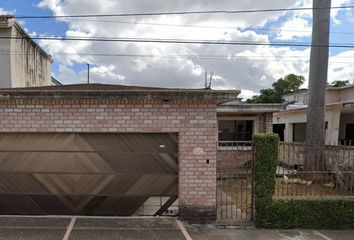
(328, 213)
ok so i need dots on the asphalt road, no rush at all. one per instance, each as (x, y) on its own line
(106, 228)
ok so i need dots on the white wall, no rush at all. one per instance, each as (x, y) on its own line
(332, 118)
(347, 95)
(27, 65)
(5, 68)
(332, 96)
(300, 97)
(31, 68)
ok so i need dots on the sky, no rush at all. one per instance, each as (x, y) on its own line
(247, 68)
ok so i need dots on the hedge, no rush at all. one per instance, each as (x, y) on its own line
(319, 213)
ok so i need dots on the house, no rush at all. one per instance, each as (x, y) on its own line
(290, 123)
(23, 63)
(237, 123)
(95, 149)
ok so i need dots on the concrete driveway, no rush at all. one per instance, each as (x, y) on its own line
(64, 228)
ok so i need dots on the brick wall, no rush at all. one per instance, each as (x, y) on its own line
(195, 122)
(230, 160)
(266, 122)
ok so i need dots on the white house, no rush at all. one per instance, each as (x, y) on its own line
(22, 62)
(290, 123)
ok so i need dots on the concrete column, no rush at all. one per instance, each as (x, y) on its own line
(288, 133)
(332, 131)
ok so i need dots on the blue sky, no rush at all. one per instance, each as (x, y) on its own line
(252, 69)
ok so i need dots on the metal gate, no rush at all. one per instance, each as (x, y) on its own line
(87, 174)
(235, 183)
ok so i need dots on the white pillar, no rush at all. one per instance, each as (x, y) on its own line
(288, 133)
(332, 131)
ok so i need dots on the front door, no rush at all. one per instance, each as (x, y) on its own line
(349, 132)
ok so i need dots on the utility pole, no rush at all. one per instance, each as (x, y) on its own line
(88, 73)
(315, 128)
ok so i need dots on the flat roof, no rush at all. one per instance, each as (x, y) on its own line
(328, 88)
(100, 91)
(250, 108)
(340, 88)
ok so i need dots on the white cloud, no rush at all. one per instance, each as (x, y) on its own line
(106, 73)
(295, 28)
(246, 94)
(299, 23)
(30, 33)
(342, 66)
(6, 12)
(250, 68)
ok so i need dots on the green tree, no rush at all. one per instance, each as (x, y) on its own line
(339, 83)
(290, 83)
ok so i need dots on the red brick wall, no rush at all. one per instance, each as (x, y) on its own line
(230, 160)
(194, 122)
(266, 122)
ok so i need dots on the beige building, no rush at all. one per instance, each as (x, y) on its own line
(290, 124)
(22, 62)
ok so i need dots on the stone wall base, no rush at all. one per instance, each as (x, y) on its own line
(195, 214)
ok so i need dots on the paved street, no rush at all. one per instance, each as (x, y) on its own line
(64, 228)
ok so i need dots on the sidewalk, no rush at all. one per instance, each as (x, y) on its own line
(210, 232)
(147, 228)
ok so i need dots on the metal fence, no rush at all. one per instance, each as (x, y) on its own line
(235, 180)
(327, 171)
(331, 173)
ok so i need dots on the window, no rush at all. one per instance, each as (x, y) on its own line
(299, 132)
(235, 130)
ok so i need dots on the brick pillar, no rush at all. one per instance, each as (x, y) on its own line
(269, 122)
(265, 122)
(197, 169)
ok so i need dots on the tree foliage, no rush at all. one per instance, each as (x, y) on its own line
(340, 83)
(290, 83)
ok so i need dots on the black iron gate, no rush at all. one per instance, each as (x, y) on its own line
(235, 183)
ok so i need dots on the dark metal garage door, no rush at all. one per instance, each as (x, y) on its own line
(86, 174)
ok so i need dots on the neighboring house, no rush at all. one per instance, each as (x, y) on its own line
(23, 63)
(55, 82)
(290, 123)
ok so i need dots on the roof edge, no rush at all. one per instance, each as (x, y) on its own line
(220, 96)
(250, 108)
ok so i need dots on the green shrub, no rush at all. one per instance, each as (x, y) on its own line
(321, 212)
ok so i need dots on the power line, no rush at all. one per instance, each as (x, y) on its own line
(182, 12)
(186, 41)
(201, 26)
(175, 56)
